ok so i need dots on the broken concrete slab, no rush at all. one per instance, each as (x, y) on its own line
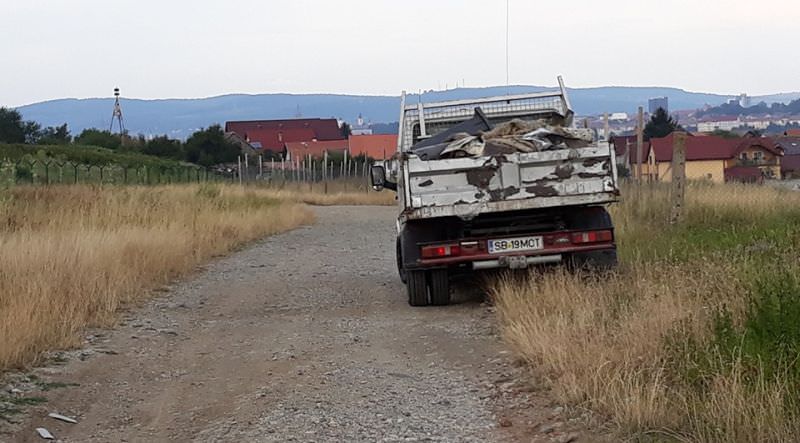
(45, 434)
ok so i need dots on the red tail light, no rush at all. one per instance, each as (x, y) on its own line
(437, 251)
(592, 237)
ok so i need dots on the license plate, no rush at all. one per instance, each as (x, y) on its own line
(515, 244)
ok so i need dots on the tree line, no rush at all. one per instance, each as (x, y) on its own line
(205, 147)
(734, 108)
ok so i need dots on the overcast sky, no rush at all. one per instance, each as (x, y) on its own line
(174, 48)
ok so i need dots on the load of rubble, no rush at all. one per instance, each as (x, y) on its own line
(477, 137)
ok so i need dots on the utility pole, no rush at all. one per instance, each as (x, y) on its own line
(639, 143)
(605, 126)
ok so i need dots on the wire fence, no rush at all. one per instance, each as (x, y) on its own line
(51, 172)
(344, 175)
(349, 173)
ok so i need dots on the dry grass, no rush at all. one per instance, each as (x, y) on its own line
(72, 256)
(621, 344)
(332, 193)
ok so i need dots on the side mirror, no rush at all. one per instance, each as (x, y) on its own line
(377, 177)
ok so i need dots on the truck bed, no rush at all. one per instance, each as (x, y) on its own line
(466, 187)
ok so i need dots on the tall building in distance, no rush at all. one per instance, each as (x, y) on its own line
(657, 102)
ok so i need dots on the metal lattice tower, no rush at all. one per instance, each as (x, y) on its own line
(117, 114)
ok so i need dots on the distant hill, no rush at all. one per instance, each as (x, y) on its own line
(178, 118)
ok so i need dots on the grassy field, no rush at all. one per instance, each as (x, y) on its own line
(695, 338)
(73, 255)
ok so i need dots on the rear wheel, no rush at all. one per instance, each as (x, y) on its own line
(417, 288)
(595, 261)
(440, 287)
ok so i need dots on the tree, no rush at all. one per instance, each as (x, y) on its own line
(12, 128)
(96, 137)
(58, 135)
(32, 131)
(163, 146)
(724, 134)
(661, 124)
(346, 129)
(209, 147)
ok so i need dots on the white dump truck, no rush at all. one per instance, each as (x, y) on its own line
(501, 182)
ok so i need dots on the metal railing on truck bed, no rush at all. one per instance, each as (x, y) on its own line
(556, 176)
(423, 120)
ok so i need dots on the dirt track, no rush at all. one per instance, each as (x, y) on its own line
(305, 336)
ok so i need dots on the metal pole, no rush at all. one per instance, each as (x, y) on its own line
(605, 126)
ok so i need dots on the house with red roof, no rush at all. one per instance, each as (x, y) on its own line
(626, 152)
(272, 135)
(294, 151)
(790, 162)
(718, 159)
(376, 147)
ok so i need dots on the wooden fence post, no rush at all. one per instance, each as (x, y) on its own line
(639, 143)
(678, 176)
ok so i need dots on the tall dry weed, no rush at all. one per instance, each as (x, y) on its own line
(614, 343)
(73, 255)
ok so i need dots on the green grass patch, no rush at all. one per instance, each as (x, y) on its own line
(10, 406)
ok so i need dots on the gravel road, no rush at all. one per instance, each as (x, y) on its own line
(304, 336)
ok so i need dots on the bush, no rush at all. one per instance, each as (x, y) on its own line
(96, 137)
(23, 173)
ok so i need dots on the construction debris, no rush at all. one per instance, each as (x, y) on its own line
(45, 434)
(431, 148)
(477, 138)
(62, 418)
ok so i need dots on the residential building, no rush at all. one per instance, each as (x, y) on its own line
(272, 135)
(790, 163)
(246, 147)
(657, 102)
(717, 159)
(725, 123)
(297, 151)
(618, 116)
(376, 147)
(625, 150)
(744, 100)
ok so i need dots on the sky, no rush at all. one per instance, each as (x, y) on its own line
(187, 49)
